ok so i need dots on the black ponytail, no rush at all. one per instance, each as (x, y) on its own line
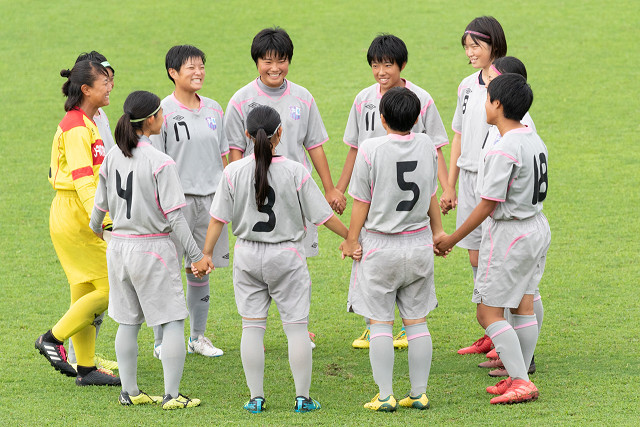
(262, 123)
(82, 73)
(139, 106)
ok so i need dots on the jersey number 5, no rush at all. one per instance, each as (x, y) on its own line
(127, 193)
(540, 179)
(269, 225)
(401, 169)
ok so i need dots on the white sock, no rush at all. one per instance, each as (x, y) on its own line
(173, 354)
(508, 348)
(420, 355)
(127, 355)
(381, 357)
(198, 304)
(300, 359)
(252, 355)
(527, 329)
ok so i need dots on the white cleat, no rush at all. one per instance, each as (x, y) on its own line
(203, 346)
(156, 351)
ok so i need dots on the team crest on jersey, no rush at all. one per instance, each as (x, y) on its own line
(294, 112)
(98, 152)
(211, 121)
(178, 118)
(253, 105)
(370, 107)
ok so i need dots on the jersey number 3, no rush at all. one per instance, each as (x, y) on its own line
(270, 224)
(401, 169)
(540, 179)
(127, 192)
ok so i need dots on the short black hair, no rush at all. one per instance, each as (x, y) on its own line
(487, 29)
(95, 57)
(400, 108)
(272, 40)
(513, 92)
(179, 55)
(387, 47)
(510, 64)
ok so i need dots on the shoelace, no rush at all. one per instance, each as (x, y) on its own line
(105, 372)
(63, 352)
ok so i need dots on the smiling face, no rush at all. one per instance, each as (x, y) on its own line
(478, 52)
(97, 95)
(387, 74)
(272, 69)
(190, 77)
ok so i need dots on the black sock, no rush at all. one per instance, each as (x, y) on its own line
(48, 337)
(84, 370)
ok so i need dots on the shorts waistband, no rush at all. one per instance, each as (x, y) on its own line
(286, 244)
(404, 235)
(518, 222)
(66, 193)
(139, 237)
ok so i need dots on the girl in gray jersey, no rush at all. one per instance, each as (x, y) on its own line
(268, 199)
(140, 188)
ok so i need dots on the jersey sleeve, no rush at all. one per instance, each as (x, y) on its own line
(499, 171)
(351, 132)
(222, 141)
(361, 187)
(80, 160)
(314, 206)
(169, 190)
(316, 132)
(434, 126)
(233, 125)
(222, 205)
(456, 124)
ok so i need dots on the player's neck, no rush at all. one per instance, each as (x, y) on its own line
(189, 99)
(89, 109)
(505, 125)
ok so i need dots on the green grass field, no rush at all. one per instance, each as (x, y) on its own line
(583, 68)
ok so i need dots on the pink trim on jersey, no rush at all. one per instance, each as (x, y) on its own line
(226, 175)
(514, 242)
(359, 106)
(538, 298)
(502, 153)
(307, 103)
(505, 329)
(397, 137)
(360, 200)
(369, 253)
(136, 236)
(383, 334)
(219, 219)
(155, 195)
(167, 163)
(401, 232)
(164, 119)
(424, 109)
(216, 110)
(278, 159)
(366, 159)
(456, 130)
(511, 183)
(254, 326)
(103, 173)
(99, 208)
(143, 144)
(328, 218)
(174, 208)
(317, 145)
(197, 284)
(225, 153)
(492, 199)
(296, 251)
(461, 88)
(442, 145)
(184, 107)
(286, 92)
(350, 145)
(525, 129)
(422, 334)
(490, 254)
(157, 256)
(526, 325)
(378, 94)
(434, 191)
(303, 181)
(238, 106)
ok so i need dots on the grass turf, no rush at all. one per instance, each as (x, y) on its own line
(584, 75)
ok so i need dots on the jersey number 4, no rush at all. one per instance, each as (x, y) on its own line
(540, 179)
(127, 193)
(401, 169)
(270, 224)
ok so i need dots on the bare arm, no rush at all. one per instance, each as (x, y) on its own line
(335, 198)
(234, 155)
(334, 224)
(479, 214)
(359, 214)
(345, 177)
(449, 200)
(443, 174)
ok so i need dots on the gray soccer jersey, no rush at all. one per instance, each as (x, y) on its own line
(515, 175)
(364, 118)
(470, 120)
(195, 140)
(301, 122)
(492, 138)
(102, 122)
(293, 196)
(397, 175)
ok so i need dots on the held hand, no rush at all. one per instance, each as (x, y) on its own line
(336, 200)
(351, 249)
(202, 267)
(442, 244)
(448, 200)
(100, 234)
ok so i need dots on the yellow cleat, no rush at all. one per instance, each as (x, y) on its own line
(362, 341)
(418, 402)
(384, 405)
(400, 340)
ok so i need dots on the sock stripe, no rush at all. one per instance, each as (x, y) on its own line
(254, 326)
(538, 298)
(525, 325)
(301, 322)
(506, 328)
(383, 334)
(422, 334)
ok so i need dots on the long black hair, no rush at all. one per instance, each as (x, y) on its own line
(139, 106)
(262, 123)
(83, 73)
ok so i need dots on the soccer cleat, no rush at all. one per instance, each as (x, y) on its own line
(501, 387)
(532, 365)
(179, 402)
(493, 354)
(418, 402)
(56, 355)
(501, 372)
(97, 377)
(483, 345)
(384, 405)
(312, 339)
(519, 392)
(492, 364)
(362, 341)
(156, 351)
(306, 404)
(203, 346)
(141, 398)
(256, 405)
(400, 340)
(104, 363)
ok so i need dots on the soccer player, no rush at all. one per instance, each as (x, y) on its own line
(269, 199)
(192, 135)
(515, 237)
(102, 122)
(483, 41)
(396, 216)
(76, 156)
(141, 189)
(387, 57)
